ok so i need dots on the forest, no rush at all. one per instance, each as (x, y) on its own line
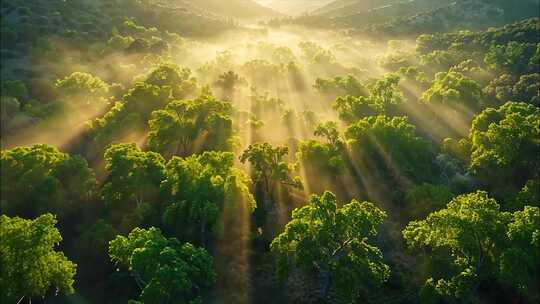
(270, 151)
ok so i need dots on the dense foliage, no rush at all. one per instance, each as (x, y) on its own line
(365, 151)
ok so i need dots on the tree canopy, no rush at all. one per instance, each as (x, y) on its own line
(505, 143)
(165, 270)
(269, 167)
(40, 179)
(477, 240)
(30, 264)
(175, 129)
(392, 143)
(335, 242)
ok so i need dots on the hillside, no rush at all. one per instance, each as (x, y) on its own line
(346, 7)
(295, 7)
(398, 18)
(458, 15)
(245, 9)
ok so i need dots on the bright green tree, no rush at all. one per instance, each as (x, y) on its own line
(85, 88)
(196, 189)
(479, 243)
(30, 265)
(453, 88)
(392, 144)
(40, 179)
(324, 157)
(519, 262)
(133, 175)
(513, 57)
(269, 167)
(144, 98)
(174, 130)
(505, 144)
(164, 269)
(384, 98)
(468, 229)
(340, 86)
(180, 80)
(336, 243)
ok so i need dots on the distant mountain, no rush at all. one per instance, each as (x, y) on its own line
(244, 9)
(343, 8)
(399, 18)
(457, 15)
(294, 7)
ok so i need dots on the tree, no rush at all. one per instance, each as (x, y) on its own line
(133, 175)
(442, 59)
(41, 179)
(383, 98)
(144, 98)
(196, 189)
(529, 195)
(164, 269)
(228, 82)
(468, 229)
(527, 89)
(171, 75)
(336, 243)
(513, 57)
(505, 144)
(500, 89)
(30, 265)
(340, 86)
(174, 129)
(453, 88)
(326, 157)
(14, 88)
(130, 115)
(269, 167)
(479, 243)
(329, 131)
(309, 50)
(80, 87)
(508, 88)
(422, 199)
(391, 143)
(262, 73)
(519, 262)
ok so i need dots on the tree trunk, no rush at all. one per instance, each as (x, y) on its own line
(327, 280)
(203, 234)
